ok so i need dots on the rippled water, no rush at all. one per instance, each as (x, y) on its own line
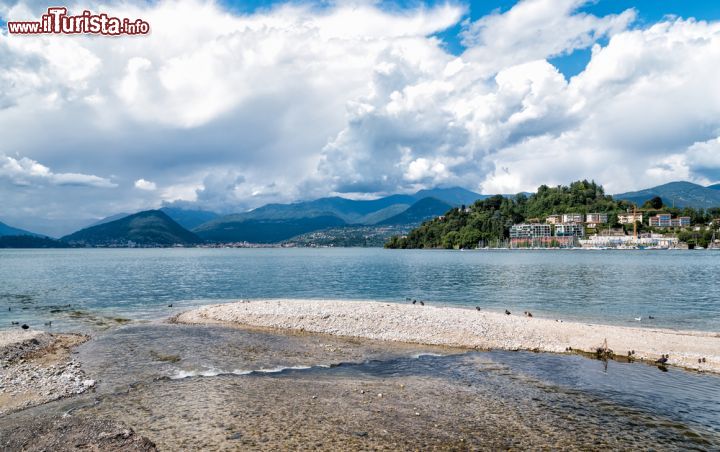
(89, 288)
(190, 387)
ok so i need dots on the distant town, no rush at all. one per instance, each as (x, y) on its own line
(593, 231)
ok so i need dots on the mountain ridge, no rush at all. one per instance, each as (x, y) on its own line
(148, 228)
(678, 194)
(7, 230)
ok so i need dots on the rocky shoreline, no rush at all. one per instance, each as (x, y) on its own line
(467, 328)
(36, 367)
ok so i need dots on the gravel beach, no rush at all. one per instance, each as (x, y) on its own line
(460, 327)
(36, 367)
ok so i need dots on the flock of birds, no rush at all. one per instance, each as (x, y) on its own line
(661, 361)
(477, 308)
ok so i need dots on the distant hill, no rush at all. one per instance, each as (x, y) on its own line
(30, 241)
(714, 187)
(277, 222)
(188, 218)
(363, 212)
(349, 210)
(679, 194)
(117, 216)
(9, 230)
(151, 227)
(422, 210)
(235, 228)
(455, 196)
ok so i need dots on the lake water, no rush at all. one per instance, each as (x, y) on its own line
(210, 387)
(87, 288)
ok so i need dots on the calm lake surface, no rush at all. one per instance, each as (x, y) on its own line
(86, 288)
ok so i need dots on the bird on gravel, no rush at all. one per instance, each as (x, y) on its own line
(663, 359)
(422, 303)
(507, 312)
(477, 308)
(24, 326)
(414, 301)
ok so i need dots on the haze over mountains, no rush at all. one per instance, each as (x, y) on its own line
(275, 223)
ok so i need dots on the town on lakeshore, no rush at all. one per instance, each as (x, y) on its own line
(579, 215)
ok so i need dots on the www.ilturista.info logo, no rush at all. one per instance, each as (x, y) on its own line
(56, 21)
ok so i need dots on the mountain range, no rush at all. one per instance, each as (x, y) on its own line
(278, 222)
(341, 217)
(678, 194)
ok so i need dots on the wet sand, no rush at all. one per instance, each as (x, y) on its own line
(174, 386)
(468, 328)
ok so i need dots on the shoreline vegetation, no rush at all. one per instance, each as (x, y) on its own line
(466, 328)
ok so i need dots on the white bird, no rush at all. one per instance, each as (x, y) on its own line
(637, 319)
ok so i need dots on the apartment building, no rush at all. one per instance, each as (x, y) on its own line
(530, 231)
(596, 218)
(569, 230)
(572, 218)
(630, 218)
(665, 220)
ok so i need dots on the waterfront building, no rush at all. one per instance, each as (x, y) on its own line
(530, 231)
(630, 218)
(554, 219)
(661, 220)
(665, 220)
(572, 218)
(596, 218)
(680, 222)
(569, 230)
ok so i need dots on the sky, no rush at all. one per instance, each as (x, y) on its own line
(230, 105)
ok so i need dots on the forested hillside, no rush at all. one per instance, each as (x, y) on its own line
(490, 219)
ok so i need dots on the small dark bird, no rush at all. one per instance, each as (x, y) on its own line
(407, 298)
(414, 301)
(24, 326)
(48, 323)
(477, 308)
(15, 323)
(507, 312)
(651, 317)
(422, 303)
(529, 314)
(704, 359)
(9, 309)
(170, 305)
(663, 359)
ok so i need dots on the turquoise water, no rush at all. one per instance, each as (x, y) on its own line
(82, 288)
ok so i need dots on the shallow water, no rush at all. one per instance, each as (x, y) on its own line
(96, 288)
(190, 387)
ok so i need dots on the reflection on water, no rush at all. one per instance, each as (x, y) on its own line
(335, 393)
(88, 289)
